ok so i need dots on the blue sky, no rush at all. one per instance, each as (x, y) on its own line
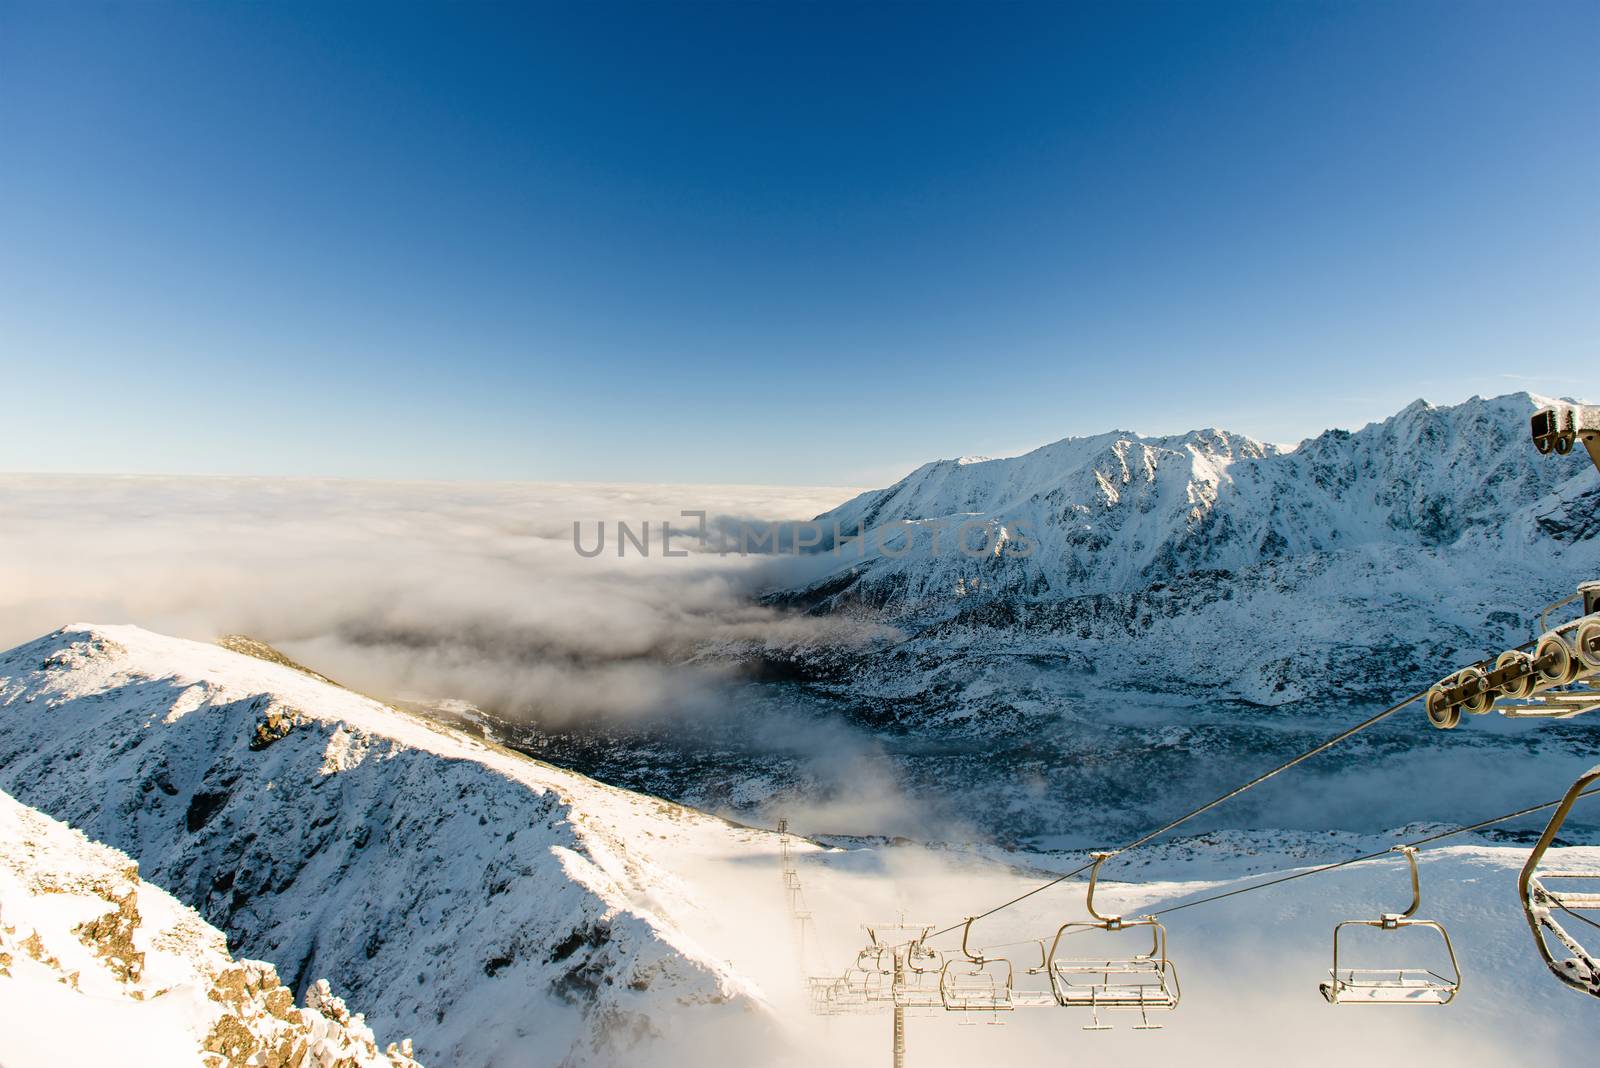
(762, 243)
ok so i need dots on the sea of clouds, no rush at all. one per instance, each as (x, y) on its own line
(416, 590)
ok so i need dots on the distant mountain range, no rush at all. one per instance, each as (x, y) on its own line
(1117, 512)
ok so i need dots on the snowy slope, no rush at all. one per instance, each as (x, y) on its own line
(353, 841)
(499, 910)
(98, 967)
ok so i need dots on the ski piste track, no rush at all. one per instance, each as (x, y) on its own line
(1554, 676)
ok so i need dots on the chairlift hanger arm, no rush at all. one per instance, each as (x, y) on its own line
(1410, 853)
(1581, 971)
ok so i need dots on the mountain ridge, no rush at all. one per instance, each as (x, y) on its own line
(1113, 513)
(312, 825)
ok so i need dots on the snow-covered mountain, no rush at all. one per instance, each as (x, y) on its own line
(1190, 606)
(1210, 563)
(98, 967)
(1118, 513)
(499, 910)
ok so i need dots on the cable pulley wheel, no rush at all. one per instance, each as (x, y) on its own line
(1523, 676)
(1480, 696)
(1553, 657)
(1441, 713)
(1586, 644)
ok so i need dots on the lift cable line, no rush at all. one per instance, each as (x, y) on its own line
(1303, 873)
(1207, 807)
(1576, 915)
(1291, 875)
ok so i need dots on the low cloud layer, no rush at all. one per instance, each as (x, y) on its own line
(408, 590)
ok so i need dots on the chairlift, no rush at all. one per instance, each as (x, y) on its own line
(1142, 981)
(874, 972)
(853, 991)
(1393, 986)
(919, 986)
(1540, 903)
(973, 982)
(864, 982)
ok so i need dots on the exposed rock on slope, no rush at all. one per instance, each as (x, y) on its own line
(98, 967)
(485, 903)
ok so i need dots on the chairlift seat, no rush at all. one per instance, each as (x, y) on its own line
(1134, 983)
(967, 986)
(1389, 986)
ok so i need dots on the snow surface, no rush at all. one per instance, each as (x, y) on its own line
(98, 967)
(499, 910)
(506, 912)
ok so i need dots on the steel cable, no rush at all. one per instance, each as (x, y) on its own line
(1207, 807)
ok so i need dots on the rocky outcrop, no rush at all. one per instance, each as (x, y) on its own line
(140, 947)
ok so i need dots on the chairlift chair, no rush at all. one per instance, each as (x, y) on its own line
(1393, 986)
(973, 982)
(874, 972)
(920, 985)
(1540, 903)
(1143, 981)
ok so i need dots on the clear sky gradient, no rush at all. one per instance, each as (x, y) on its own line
(762, 243)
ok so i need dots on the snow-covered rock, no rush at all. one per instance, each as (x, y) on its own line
(501, 911)
(1118, 512)
(1357, 562)
(98, 967)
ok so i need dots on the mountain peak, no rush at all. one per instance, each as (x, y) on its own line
(1118, 511)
